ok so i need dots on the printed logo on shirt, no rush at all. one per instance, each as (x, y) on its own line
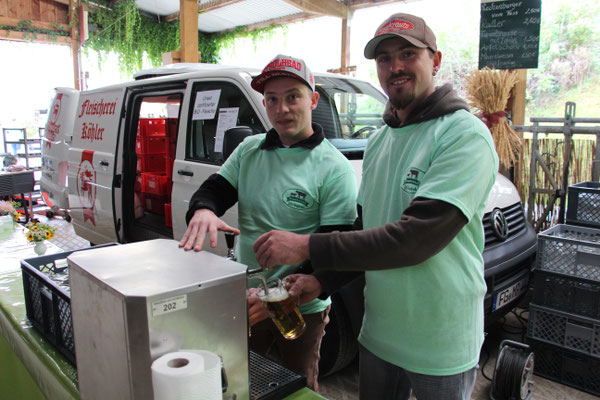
(297, 199)
(412, 180)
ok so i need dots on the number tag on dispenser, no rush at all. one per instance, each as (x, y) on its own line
(169, 305)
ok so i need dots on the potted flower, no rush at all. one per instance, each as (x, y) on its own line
(8, 215)
(37, 232)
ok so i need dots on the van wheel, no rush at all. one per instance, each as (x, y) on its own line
(339, 346)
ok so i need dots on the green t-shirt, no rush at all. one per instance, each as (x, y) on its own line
(292, 189)
(428, 318)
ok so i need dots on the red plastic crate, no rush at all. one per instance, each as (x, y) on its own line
(138, 183)
(171, 128)
(154, 203)
(151, 127)
(169, 167)
(168, 221)
(151, 162)
(155, 183)
(151, 145)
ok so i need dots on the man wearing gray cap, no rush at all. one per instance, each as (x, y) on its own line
(426, 179)
(289, 178)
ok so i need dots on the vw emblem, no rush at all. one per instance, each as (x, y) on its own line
(499, 224)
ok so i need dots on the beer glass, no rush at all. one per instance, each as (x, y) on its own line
(282, 309)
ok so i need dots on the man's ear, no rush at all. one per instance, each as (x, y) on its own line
(314, 100)
(437, 60)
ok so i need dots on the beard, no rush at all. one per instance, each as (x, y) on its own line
(398, 99)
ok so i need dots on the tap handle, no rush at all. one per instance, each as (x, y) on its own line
(230, 239)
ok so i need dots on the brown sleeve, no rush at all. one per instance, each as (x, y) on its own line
(425, 228)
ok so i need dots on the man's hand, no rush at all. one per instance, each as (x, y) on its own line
(202, 222)
(302, 288)
(280, 248)
(256, 310)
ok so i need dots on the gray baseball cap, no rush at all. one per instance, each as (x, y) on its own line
(285, 66)
(409, 27)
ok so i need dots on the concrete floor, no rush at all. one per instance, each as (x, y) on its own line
(343, 385)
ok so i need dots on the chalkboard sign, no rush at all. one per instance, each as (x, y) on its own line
(509, 34)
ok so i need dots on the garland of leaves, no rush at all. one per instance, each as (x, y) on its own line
(120, 28)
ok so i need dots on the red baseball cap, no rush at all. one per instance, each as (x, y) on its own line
(285, 66)
(409, 27)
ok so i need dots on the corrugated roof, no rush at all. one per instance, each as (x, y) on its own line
(244, 13)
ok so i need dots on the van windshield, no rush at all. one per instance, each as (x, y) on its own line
(349, 111)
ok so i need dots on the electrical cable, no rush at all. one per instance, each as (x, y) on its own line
(512, 376)
(487, 359)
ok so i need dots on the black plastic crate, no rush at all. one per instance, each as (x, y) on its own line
(566, 330)
(570, 250)
(584, 204)
(567, 293)
(48, 306)
(566, 367)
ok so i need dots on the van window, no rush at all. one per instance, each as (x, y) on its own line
(216, 107)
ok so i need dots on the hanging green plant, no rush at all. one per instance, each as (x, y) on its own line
(30, 31)
(119, 27)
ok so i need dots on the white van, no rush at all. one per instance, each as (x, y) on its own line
(137, 151)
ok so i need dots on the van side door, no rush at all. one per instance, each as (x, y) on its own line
(211, 107)
(92, 164)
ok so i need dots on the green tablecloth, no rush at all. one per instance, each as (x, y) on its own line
(23, 348)
(30, 367)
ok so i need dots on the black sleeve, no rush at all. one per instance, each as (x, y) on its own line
(425, 228)
(332, 281)
(215, 194)
(306, 266)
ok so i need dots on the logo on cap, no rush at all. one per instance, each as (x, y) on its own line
(282, 63)
(394, 26)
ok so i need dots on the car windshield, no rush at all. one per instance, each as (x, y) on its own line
(349, 111)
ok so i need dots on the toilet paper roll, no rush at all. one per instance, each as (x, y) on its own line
(187, 375)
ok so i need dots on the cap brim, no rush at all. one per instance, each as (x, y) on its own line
(373, 43)
(258, 83)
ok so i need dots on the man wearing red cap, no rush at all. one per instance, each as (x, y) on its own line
(289, 178)
(426, 179)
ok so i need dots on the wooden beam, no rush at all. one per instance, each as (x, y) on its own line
(215, 5)
(65, 2)
(49, 26)
(188, 31)
(74, 45)
(358, 4)
(346, 22)
(322, 7)
(39, 38)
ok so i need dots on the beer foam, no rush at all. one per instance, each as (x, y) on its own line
(275, 294)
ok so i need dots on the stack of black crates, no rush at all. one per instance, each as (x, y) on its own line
(564, 316)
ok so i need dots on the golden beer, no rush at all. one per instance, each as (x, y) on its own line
(282, 311)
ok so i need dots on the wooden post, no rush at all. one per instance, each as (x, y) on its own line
(517, 107)
(74, 44)
(188, 30)
(346, 22)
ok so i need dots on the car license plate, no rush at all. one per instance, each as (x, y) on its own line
(509, 294)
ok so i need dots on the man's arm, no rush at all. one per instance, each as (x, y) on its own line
(425, 228)
(215, 196)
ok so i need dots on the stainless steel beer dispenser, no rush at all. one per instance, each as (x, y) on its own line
(135, 302)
